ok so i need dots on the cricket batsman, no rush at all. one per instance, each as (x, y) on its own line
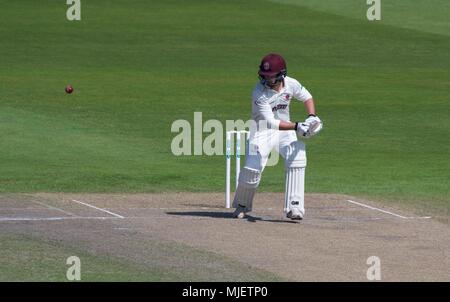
(271, 98)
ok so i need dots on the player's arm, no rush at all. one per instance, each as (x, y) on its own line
(302, 94)
(309, 106)
(300, 127)
(313, 121)
(286, 125)
(264, 109)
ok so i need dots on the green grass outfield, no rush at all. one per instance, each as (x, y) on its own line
(382, 89)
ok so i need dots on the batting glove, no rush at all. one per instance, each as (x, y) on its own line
(302, 129)
(315, 125)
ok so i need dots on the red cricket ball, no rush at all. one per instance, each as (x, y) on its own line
(69, 89)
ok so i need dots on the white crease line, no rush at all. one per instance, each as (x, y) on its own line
(386, 212)
(6, 219)
(53, 208)
(94, 207)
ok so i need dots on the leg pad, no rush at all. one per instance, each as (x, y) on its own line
(295, 189)
(248, 183)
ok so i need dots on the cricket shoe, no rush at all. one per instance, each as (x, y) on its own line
(240, 212)
(294, 214)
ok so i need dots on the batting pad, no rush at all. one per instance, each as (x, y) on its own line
(295, 189)
(248, 182)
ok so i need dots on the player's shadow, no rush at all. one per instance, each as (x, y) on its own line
(227, 215)
(203, 214)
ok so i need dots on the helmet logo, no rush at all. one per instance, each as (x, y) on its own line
(266, 66)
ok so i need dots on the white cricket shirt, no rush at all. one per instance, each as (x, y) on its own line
(273, 106)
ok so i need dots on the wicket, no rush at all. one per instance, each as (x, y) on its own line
(238, 161)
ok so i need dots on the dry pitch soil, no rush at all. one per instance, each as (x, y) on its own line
(332, 243)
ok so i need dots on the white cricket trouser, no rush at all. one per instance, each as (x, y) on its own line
(291, 150)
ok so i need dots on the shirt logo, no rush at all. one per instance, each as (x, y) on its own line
(279, 107)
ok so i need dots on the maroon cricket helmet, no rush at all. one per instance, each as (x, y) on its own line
(272, 65)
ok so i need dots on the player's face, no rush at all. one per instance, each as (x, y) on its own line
(270, 81)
